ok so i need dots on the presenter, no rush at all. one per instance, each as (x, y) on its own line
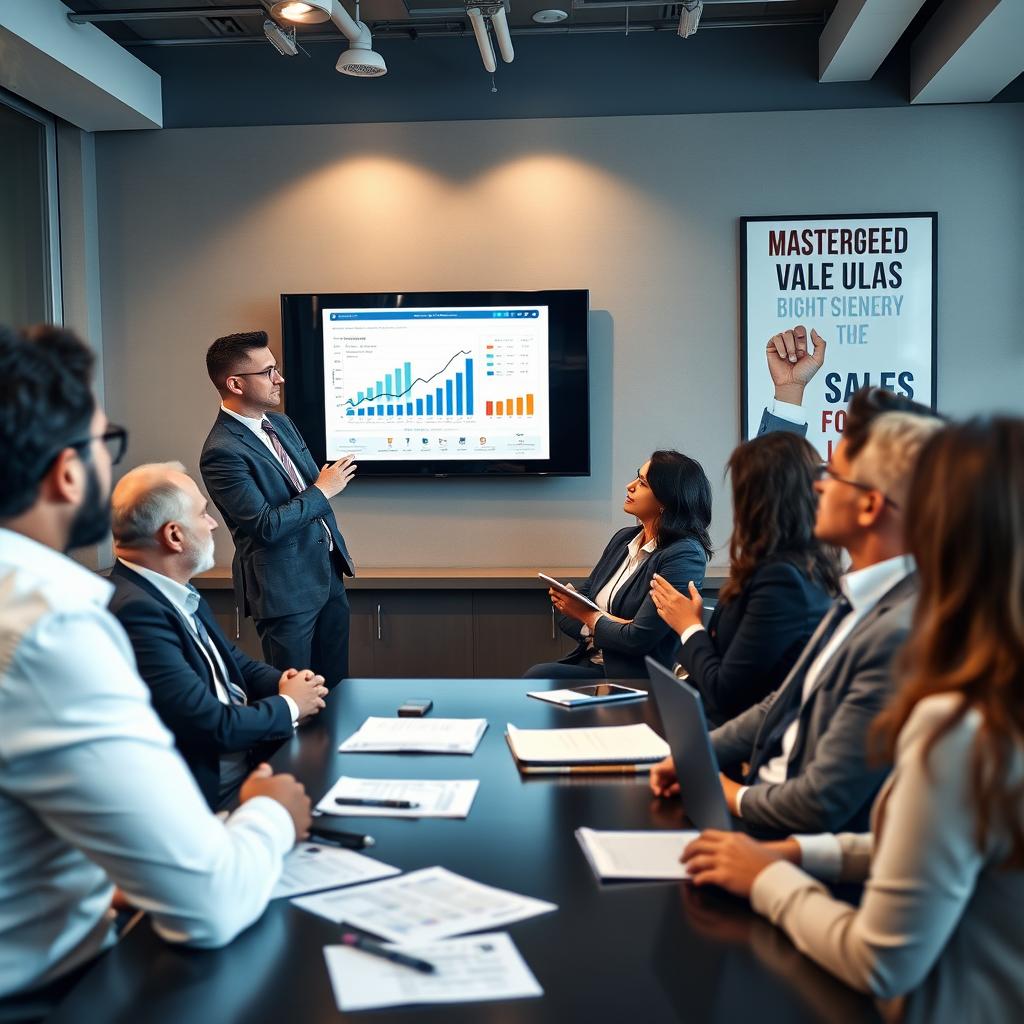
(781, 581)
(290, 557)
(671, 499)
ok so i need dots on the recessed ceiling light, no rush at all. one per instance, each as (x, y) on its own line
(550, 17)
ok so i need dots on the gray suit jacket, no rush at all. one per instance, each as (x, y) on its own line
(830, 784)
(771, 424)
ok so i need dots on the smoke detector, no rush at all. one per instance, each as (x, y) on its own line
(550, 17)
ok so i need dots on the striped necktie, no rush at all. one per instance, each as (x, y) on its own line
(235, 692)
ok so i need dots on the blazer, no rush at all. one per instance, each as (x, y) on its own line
(281, 564)
(624, 645)
(182, 687)
(771, 424)
(940, 919)
(830, 784)
(753, 640)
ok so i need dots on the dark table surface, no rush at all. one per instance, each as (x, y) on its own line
(629, 952)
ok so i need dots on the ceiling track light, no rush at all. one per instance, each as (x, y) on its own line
(360, 60)
(689, 17)
(280, 39)
(302, 12)
(482, 15)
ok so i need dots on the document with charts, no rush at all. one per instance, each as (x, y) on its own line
(429, 904)
(416, 735)
(313, 866)
(467, 970)
(434, 798)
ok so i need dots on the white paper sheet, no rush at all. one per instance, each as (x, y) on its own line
(429, 904)
(473, 969)
(416, 735)
(609, 744)
(437, 798)
(313, 866)
(636, 856)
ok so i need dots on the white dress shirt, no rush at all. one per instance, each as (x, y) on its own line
(863, 588)
(93, 793)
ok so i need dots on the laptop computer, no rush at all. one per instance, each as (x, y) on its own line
(686, 730)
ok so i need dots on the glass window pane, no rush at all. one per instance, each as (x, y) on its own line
(24, 256)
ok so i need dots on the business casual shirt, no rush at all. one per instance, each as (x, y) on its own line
(255, 424)
(636, 554)
(863, 588)
(234, 766)
(93, 793)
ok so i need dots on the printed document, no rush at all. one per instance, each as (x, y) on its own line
(610, 744)
(624, 856)
(437, 798)
(313, 866)
(469, 970)
(416, 735)
(429, 904)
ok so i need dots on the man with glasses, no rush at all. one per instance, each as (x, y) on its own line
(290, 557)
(802, 752)
(92, 792)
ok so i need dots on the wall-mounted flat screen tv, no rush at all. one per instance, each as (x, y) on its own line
(441, 383)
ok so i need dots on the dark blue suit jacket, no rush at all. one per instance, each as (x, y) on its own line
(281, 564)
(753, 640)
(625, 645)
(182, 687)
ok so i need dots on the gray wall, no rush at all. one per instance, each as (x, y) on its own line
(201, 229)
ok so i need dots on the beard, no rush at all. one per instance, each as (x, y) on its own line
(92, 520)
(202, 554)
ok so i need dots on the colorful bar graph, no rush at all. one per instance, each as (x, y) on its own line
(529, 405)
(469, 387)
(440, 401)
(430, 405)
(458, 394)
(519, 407)
(449, 408)
(489, 408)
(419, 406)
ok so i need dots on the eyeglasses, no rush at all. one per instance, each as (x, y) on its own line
(825, 470)
(115, 437)
(269, 373)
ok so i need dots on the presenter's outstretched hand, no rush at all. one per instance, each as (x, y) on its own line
(733, 860)
(664, 781)
(678, 610)
(792, 363)
(306, 688)
(335, 476)
(286, 790)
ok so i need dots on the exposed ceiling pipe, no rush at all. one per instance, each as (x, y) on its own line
(499, 22)
(483, 40)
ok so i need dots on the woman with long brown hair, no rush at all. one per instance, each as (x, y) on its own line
(781, 581)
(941, 921)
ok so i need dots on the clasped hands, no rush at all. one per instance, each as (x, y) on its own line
(306, 688)
(731, 860)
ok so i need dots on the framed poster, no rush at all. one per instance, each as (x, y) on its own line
(829, 305)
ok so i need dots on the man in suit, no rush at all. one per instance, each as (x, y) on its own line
(222, 707)
(290, 557)
(805, 745)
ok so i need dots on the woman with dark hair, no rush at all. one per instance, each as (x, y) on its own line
(940, 927)
(781, 581)
(671, 499)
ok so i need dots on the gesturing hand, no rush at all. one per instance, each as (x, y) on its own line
(678, 610)
(335, 476)
(792, 364)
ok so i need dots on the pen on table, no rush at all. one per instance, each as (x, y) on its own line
(349, 840)
(365, 801)
(376, 949)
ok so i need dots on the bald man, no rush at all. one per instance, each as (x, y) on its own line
(223, 707)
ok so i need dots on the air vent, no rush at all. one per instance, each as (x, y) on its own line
(224, 26)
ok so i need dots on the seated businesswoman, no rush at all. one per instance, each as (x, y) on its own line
(781, 581)
(940, 927)
(671, 499)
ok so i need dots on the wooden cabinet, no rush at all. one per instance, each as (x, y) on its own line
(512, 630)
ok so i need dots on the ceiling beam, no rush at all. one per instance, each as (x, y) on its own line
(969, 51)
(859, 35)
(164, 13)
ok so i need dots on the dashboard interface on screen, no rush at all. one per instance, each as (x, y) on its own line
(444, 384)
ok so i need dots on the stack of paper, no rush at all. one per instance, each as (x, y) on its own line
(313, 866)
(425, 905)
(436, 798)
(612, 748)
(633, 856)
(466, 970)
(416, 735)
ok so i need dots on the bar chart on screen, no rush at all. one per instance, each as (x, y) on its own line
(464, 383)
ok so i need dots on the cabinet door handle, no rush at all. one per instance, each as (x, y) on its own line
(554, 635)
(238, 624)
(378, 623)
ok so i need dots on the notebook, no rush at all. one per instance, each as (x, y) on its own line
(612, 748)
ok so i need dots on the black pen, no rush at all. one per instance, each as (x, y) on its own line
(376, 949)
(365, 801)
(349, 840)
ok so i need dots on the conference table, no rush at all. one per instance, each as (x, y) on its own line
(638, 952)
